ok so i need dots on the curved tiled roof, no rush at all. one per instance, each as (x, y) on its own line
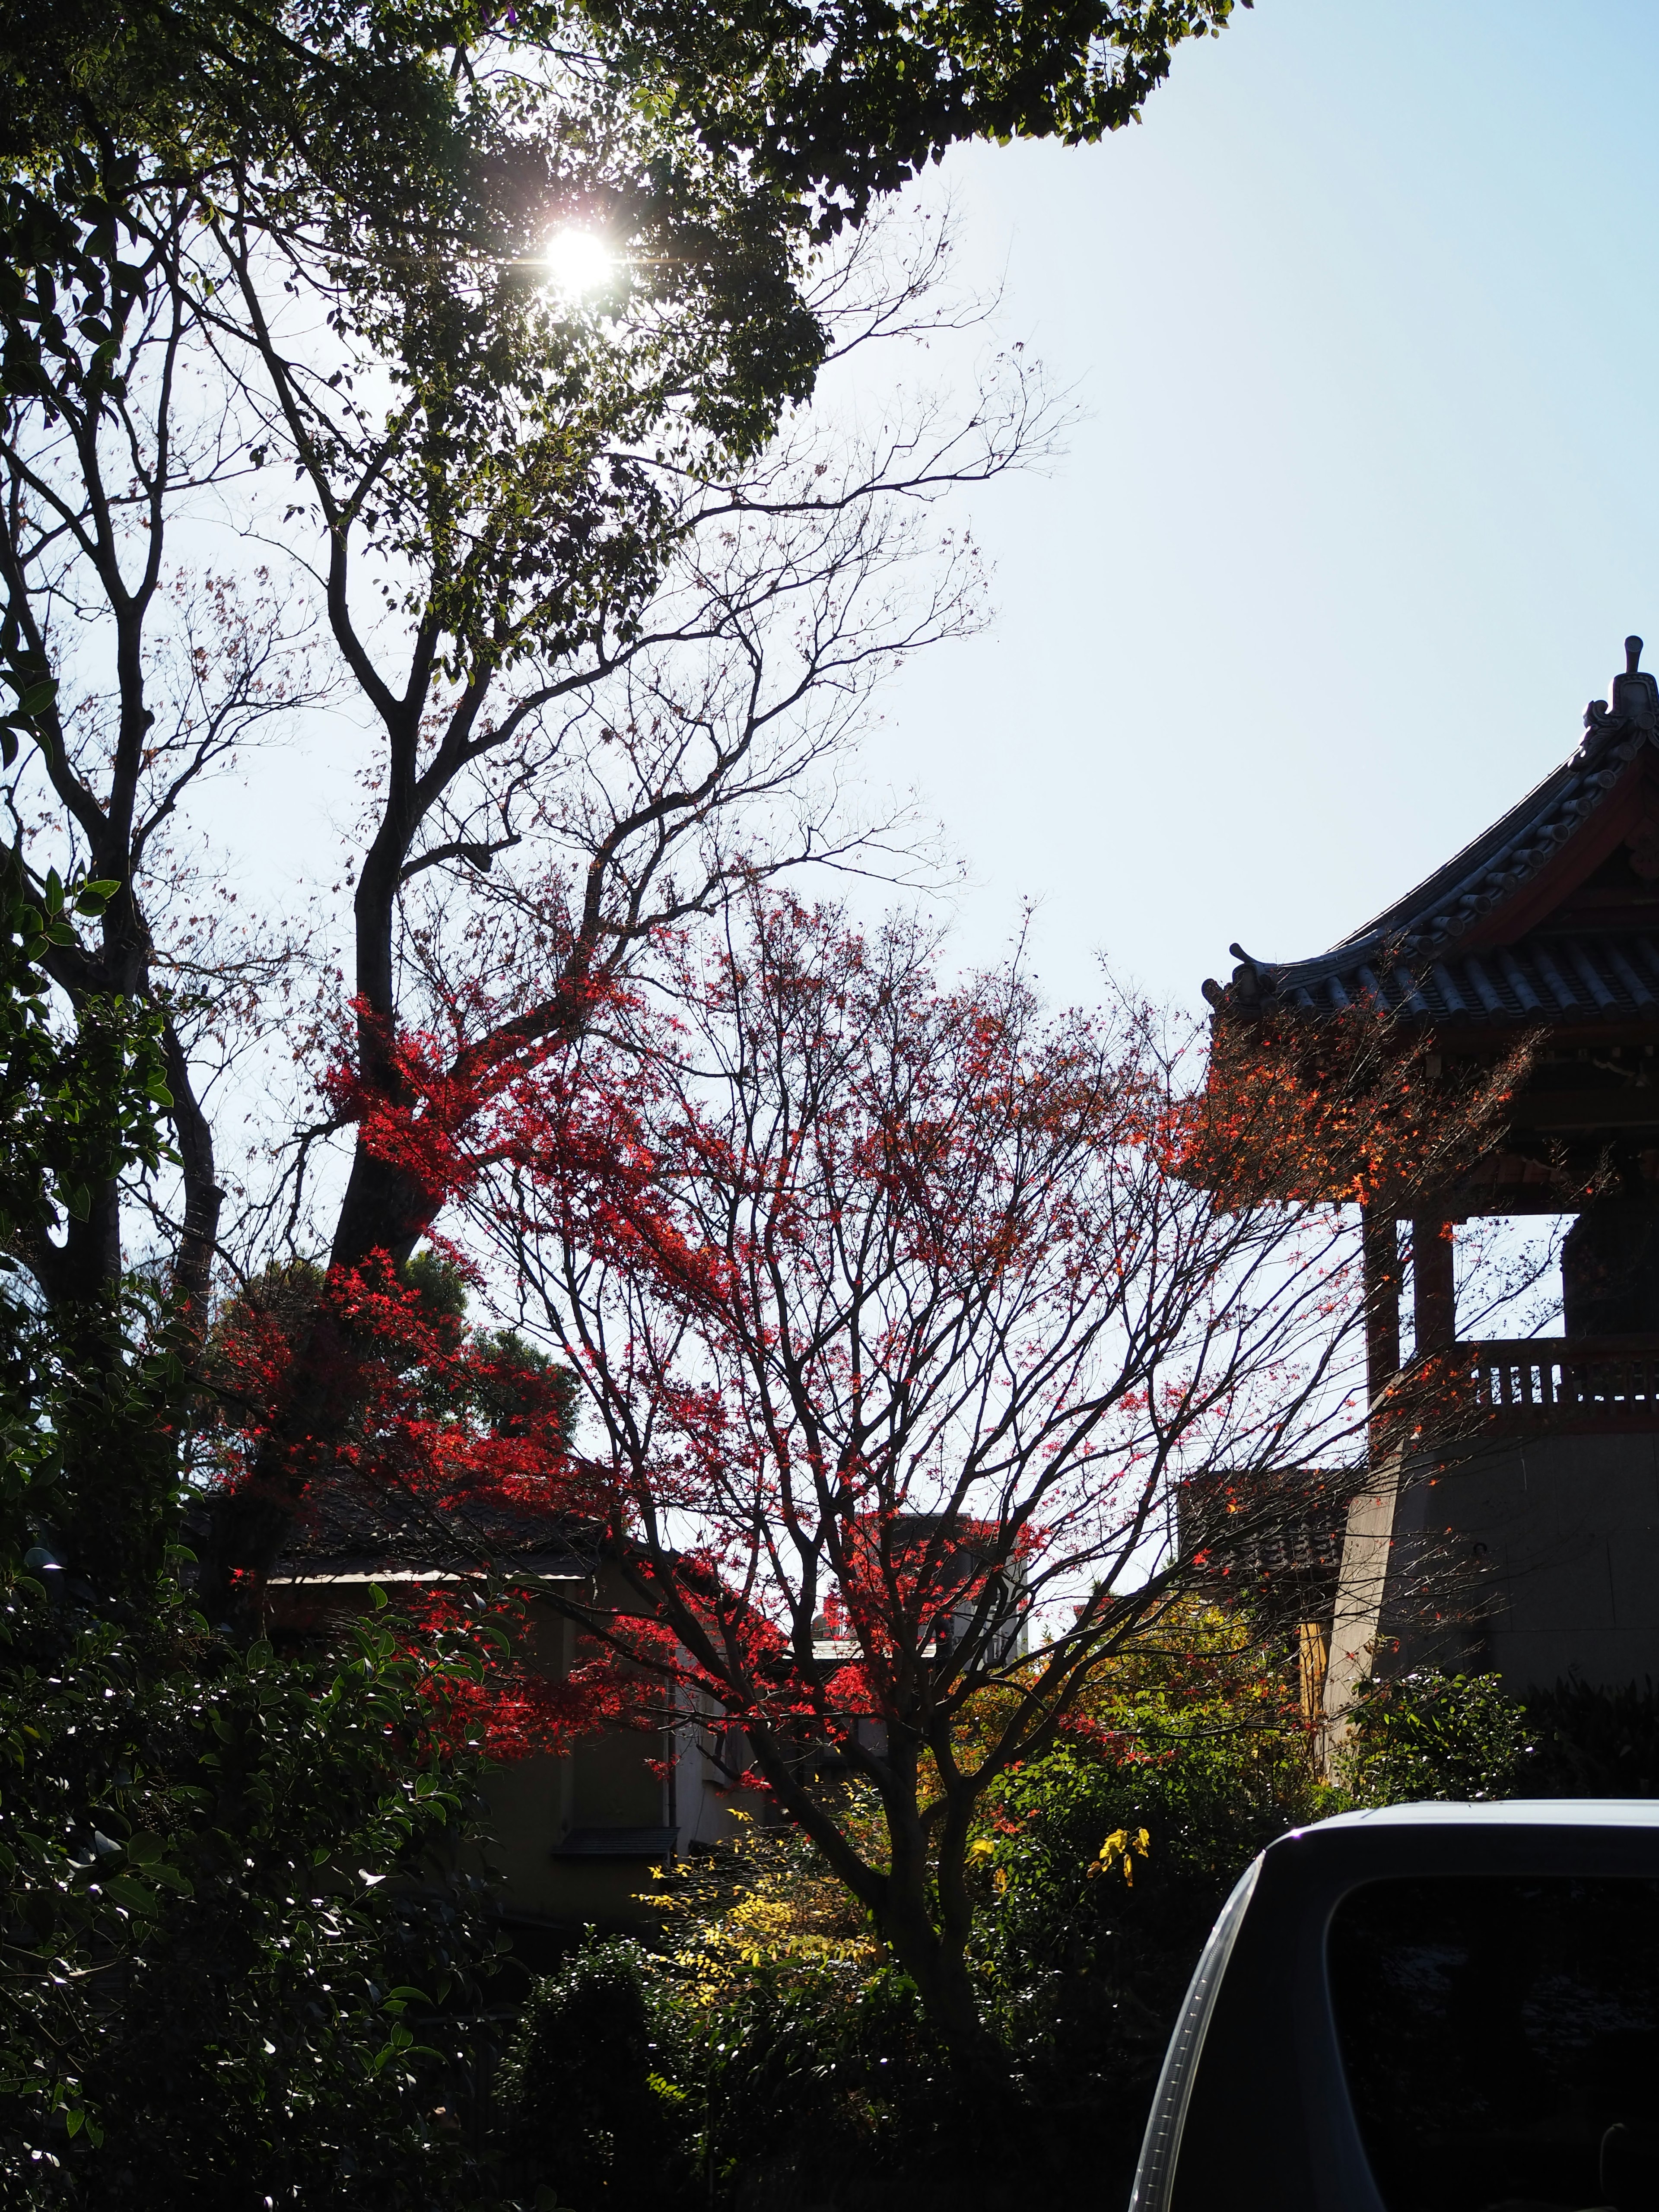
(1581, 978)
(1412, 957)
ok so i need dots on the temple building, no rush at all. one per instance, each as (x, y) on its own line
(1545, 929)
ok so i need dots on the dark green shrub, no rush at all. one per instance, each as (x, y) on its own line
(1104, 1873)
(1593, 1743)
(825, 2085)
(1460, 1736)
(239, 1941)
(592, 2106)
(1433, 1735)
(237, 1935)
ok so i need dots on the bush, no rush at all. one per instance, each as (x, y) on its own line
(1104, 1873)
(239, 1941)
(1593, 1743)
(1459, 1736)
(826, 2086)
(1429, 1735)
(591, 2107)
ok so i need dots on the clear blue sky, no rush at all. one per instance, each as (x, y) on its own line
(1364, 317)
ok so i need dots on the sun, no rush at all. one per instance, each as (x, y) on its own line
(578, 262)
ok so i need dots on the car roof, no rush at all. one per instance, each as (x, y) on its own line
(1505, 1812)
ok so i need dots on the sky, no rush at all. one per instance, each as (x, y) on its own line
(1363, 319)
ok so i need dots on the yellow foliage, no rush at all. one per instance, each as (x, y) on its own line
(1121, 1850)
(766, 1899)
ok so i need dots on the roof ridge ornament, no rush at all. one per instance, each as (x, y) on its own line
(1635, 694)
(1634, 711)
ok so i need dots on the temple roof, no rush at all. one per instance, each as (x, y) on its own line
(1551, 916)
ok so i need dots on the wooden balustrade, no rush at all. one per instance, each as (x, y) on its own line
(1558, 1382)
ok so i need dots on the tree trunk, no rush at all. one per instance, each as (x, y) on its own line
(939, 1971)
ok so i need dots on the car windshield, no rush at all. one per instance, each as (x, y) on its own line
(1501, 2041)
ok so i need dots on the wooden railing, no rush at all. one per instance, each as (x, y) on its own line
(1562, 1381)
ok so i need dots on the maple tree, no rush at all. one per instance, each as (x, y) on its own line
(923, 1362)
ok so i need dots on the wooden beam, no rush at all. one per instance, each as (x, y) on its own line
(1380, 1251)
(1434, 1280)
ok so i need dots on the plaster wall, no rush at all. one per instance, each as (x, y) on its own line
(1537, 1558)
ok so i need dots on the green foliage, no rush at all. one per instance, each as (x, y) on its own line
(411, 161)
(1430, 1734)
(72, 1110)
(636, 2085)
(825, 2083)
(1593, 1743)
(591, 2105)
(840, 103)
(440, 1283)
(237, 1938)
(239, 1941)
(509, 1378)
(1101, 1870)
(805, 2056)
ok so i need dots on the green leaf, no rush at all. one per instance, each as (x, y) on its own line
(133, 1894)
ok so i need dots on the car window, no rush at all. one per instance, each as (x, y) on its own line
(1501, 2040)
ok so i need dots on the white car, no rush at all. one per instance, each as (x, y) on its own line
(1426, 2009)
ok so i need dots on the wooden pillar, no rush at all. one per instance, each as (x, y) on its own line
(1380, 1250)
(1313, 1649)
(1434, 1292)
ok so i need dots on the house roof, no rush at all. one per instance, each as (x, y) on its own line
(1549, 917)
(351, 1531)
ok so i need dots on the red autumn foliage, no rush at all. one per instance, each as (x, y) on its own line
(454, 1436)
(496, 1701)
(924, 1341)
(439, 1413)
(902, 1323)
(1351, 1108)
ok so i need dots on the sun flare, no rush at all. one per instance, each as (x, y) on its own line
(578, 262)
